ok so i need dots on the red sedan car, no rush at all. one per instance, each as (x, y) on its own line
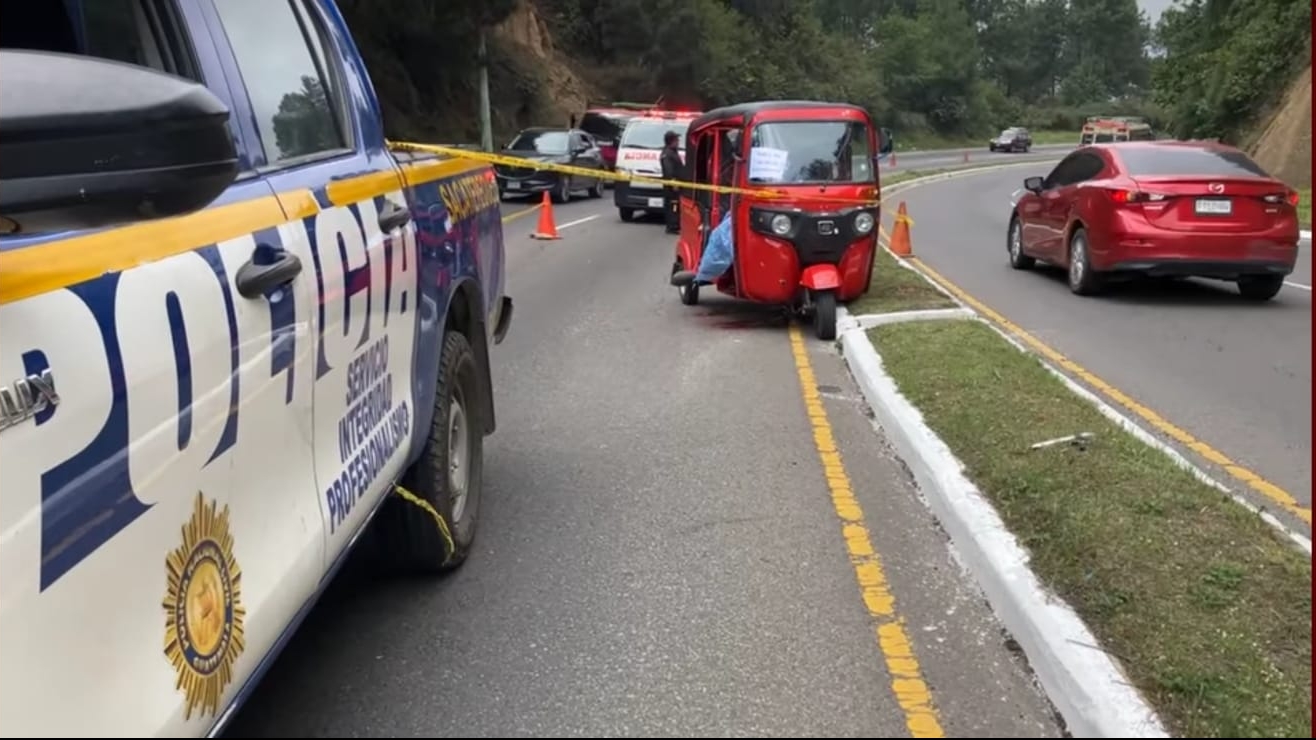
(1163, 208)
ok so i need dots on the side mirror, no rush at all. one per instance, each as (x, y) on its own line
(1033, 184)
(887, 143)
(89, 143)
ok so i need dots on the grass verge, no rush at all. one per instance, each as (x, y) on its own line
(924, 141)
(1304, 208)
(895, 288)
(903, 175)
(1206, 607)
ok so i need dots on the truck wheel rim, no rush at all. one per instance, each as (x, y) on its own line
(458, 457)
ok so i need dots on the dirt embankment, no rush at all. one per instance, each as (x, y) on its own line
(540, 85)
(1282, 142)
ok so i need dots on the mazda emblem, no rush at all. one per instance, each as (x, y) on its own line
(1216, 187)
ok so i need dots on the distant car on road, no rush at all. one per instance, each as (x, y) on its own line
(1014, 139)
(1167, 208)
(567, 146)
(1115, 129)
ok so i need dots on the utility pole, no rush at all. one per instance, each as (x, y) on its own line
(486, 125)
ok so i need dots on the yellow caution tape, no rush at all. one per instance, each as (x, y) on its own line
(532, 164)
(449, 546)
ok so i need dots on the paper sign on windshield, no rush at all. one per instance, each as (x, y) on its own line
(766, 163)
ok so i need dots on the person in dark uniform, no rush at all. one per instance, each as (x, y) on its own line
(672, 170)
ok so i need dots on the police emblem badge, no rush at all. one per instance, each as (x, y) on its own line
(203, 608)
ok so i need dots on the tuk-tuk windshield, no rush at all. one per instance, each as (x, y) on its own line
(803, 152)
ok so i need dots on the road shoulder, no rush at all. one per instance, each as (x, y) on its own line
(978, 680)
(1169, 573)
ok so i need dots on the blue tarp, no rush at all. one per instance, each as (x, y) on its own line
(718, 253)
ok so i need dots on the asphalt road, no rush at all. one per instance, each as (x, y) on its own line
(659, 553)
(1235, 375)
(944, 158)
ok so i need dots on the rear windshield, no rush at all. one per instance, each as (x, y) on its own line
(1174, 160)
(543, 142)
(648, 133)
(602, 127)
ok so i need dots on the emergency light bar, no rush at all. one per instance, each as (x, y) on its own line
(669, 115)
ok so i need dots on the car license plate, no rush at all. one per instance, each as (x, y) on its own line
(1214, 206)
(655, 202)
(512, 185)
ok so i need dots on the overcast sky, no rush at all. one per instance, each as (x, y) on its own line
(1153, 8)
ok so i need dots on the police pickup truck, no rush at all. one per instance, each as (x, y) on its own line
(234, 329)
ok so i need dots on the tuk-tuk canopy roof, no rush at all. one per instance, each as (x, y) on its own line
(746, 111)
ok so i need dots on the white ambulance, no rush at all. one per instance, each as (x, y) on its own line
(639, 153)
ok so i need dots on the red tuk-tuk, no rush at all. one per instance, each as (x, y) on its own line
(804, 204)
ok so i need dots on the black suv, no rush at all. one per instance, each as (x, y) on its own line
(1016, 139)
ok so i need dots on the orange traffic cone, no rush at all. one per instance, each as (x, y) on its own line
(546, 229)
(900, 245)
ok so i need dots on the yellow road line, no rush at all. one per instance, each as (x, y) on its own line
(911, 691)
(1271, 491)
(509, 218)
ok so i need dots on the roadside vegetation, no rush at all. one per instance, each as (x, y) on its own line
(1304, 207)
(897, 288)
(954, 71)
(1226, 63)
(1207, 608)
(939, 73)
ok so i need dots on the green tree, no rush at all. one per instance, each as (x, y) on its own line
(1106, 49)
(931, 63)
(1224, 60)
(299, 123)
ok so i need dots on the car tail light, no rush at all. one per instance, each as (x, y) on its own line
(1130, 197)
(1291, 197)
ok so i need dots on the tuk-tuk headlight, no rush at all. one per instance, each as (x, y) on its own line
(781, 224)
(863, 222)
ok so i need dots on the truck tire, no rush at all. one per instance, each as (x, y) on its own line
(430, 525)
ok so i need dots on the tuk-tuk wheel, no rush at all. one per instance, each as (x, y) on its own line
(689, 294)
(824, 315)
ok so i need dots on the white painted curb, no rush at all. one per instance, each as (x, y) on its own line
(1085, 684)
(868, 321)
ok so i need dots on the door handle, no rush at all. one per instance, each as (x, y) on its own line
(394, 216)
(253, 280)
